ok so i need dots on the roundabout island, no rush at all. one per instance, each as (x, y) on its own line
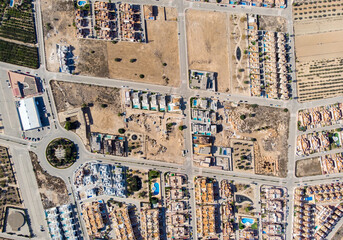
(61, 153)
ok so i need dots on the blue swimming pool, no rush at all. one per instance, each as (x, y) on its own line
(81, 3)
(248, 221)
(194, 103)
(309, 198)
(11, 3)
(156, 189)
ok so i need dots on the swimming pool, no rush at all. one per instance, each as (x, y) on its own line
(194, 103)
(247, 221)
(309, 198)
(11, 3)
(81, 3)
(156, 189)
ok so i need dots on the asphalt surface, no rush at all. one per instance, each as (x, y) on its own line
(20, 147)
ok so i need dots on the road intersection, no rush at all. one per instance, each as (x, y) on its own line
(19, 147)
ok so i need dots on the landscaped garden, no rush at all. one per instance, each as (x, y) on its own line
(61, 153)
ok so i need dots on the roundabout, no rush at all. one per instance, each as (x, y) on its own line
(61, 153)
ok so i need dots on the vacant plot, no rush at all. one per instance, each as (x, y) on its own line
(104, 104)
(308, 167)
(157, 60)
(266, 127)
(72, 95)
(104, 108)
(58, 21)
(319, 46)
(272, 23)
(53, 190)
(208, 44)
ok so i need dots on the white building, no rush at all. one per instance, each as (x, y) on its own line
(29, 114)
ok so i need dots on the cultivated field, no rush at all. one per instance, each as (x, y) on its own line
(318, 29)
(208, 45)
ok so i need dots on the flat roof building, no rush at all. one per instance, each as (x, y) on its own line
(28, 114)
(23, 85)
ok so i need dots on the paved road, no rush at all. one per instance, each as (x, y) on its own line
(19, 147)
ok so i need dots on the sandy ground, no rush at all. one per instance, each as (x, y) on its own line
(151, 56)
(150, 126)
(96, 57)
(315, 26)
(72, 95)
(60, 16)
(308, 167)
(339, 234)
(319, 46)
(53, 190)
(208, 44)
(238, 40)
(270, 128)
(271, 23)
(157, 144)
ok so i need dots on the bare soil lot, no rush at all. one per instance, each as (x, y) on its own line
(162, 47)
(319, 46)
(53, 190)
(266, 127)
(308, 167)
(208, 44)
(96, 57)
(70, 96)
(155, 142)
(272, 23)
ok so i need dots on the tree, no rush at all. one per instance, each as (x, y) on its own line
(246, 82)
(142, 194)
(121, 130)
(84, 105)
(132, 60)
(104, 105)
(285, 109)
(164, 64)
(181, 127)
(243, 117)
(154, 200)
(67, 125)
(141, 75)
(117, 59)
